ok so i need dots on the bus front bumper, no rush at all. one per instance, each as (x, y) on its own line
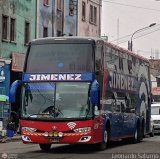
(67, 138)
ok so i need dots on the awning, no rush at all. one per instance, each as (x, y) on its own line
(4, 98)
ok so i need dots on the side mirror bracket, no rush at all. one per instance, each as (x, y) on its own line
(13, 91)
(94, 93)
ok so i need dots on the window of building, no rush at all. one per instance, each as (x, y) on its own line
(46, 2)
(59, 4)
(83, 11)
(12, 29)
(27, 32)
(71, 7)
(4, 27)
(93, 14)
(59, 33)
(45, 32)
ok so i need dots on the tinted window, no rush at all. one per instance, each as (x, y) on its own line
(58, 58)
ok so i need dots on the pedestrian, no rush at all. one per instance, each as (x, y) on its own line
(15, 120)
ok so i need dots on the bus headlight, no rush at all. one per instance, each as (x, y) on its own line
(46, 134)
(85, 129)
(60, 134)
(29, 129)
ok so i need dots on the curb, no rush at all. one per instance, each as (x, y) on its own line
(10, 139)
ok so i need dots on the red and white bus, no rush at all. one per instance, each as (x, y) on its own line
(78, 90)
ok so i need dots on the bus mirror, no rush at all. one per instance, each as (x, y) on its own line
(94, 93)
(13, 91)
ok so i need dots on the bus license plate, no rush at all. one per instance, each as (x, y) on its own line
(54, 140)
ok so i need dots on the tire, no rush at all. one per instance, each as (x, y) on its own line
(45, 147)
(152, 133)
(103, 145)
(136, 138)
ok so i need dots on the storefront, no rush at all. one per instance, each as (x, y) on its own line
(4, 92)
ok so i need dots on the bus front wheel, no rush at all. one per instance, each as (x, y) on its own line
(45, 147)
(103, 144)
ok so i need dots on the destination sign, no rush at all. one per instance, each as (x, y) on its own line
(58, 77)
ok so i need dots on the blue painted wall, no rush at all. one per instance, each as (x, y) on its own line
(4, 74)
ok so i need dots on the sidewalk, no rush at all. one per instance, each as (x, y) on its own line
(5, 139)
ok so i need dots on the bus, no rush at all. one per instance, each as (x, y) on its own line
(82, 90)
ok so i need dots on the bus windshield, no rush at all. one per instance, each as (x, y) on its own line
(49, 100)
(59, 58)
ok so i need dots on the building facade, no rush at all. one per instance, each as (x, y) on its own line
(82, 18)
(49, 18)
(17, 28)
(69, 18)
(89, 18)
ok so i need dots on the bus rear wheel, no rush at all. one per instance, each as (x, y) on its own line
(136, 138)
(152, 133)
(45, 147)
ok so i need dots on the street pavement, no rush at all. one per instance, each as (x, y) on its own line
(150, 145)
(10, 139)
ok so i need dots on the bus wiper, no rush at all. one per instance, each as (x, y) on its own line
(36, 115)
(87, 112)
(88, 109)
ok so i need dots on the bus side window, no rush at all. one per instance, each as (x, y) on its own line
(114, 106)
(99, 58)
(123, 109)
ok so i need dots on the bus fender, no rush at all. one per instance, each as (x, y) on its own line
(106, 125)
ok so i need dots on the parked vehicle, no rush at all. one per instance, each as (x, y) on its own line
(155, 116)
(151, 128)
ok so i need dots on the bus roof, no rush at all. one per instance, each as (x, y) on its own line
(79, 39)
(123, 50)
(64, 39)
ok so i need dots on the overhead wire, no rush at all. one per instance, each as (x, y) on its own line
(141, 35)
(128, 5)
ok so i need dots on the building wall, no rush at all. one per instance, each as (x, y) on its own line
(51, 17)
(70, 20)
(22, 11)
(63, 22)
(73, 23)
(45, 17)
(85, 27)
(0, 25)
(59, 18)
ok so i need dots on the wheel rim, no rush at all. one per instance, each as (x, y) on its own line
(105, 136)
(135, 135)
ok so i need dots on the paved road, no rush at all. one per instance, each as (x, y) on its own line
(116, 149)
